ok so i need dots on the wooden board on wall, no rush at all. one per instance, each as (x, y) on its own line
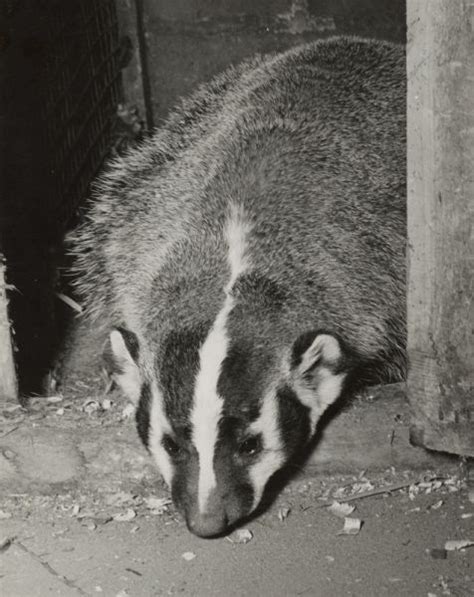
(135, 76)
(440, 223)
(8, 383)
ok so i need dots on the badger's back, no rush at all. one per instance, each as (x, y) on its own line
(310, 145)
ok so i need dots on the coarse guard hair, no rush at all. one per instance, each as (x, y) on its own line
(248, 262)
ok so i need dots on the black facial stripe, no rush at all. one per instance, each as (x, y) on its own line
(294, 419)
(185, 482)
(184, 431)
(244, 497)
(233, 431)
(131, 342)
(240, 381)
(178, 368)
(233, 478)
(142, 414)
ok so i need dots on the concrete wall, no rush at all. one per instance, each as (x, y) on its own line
(188, 41)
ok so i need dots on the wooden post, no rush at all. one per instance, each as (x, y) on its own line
(440, 64)
(135, 73)
(8, 383)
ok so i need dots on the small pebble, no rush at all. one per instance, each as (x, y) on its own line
(106, 404)
(128, 411)
(127, 516)
(438, 554)
(283, 513)
(242, 536)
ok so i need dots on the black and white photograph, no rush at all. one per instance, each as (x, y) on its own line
(237, 298)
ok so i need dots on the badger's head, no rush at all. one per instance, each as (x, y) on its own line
(219, 428)
(229, 385)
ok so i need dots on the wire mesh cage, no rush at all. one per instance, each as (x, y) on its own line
(61, 86)
(83, 89)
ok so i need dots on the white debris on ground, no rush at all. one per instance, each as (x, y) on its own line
(54, 399)
(456, 545)
(126, 516)
(283, 513)
(240, 536)
(122, 498)
(352, 526)
(128, 411)
(103, 510)
(362, 487)
(339, 494)
(96, 405)
(90, 406)
(188, 556)
(341, 510)
(156, 505)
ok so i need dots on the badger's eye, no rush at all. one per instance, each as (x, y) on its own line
(250, 446)
(171, 446)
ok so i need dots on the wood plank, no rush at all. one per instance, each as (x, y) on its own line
(440, 64)
(8, 382)
(134, 73)
(372, 433)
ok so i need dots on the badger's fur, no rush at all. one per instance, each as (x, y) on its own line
(249, 260)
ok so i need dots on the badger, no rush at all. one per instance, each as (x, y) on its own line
(248, 264)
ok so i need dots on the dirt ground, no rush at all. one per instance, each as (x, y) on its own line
(84, 512)
(119, 544)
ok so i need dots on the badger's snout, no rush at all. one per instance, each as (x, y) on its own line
(218, 514)
(208, 524)
(210, 521)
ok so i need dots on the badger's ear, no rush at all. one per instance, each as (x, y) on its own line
(317, 371)
(121, 354)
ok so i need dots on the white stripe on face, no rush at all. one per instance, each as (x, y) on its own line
(273, 456)
(159, 426)
(208, 405)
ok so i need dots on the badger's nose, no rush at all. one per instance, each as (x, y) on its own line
(208, 524)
